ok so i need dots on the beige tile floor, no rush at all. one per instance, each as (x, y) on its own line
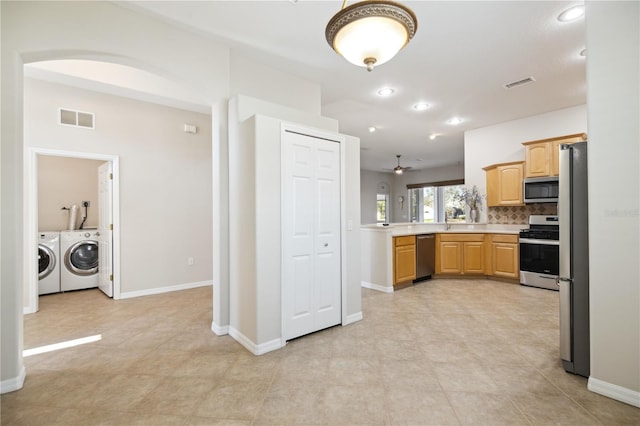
(444, 352)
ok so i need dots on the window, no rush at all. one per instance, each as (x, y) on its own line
(381, 214)
(429, 202)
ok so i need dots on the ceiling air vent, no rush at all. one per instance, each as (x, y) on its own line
(519, 83)
(73, 118)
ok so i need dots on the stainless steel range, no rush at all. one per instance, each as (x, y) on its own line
(540, 252)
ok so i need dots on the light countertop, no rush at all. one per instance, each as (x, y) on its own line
(400, 229)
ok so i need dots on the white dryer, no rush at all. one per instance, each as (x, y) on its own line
(48, 262)
(79, 251)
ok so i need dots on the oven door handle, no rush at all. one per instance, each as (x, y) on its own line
(541, 242)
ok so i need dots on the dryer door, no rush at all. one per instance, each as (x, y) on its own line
(82, 258)
(46, 261)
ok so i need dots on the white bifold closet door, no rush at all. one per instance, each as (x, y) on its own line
(312, 286)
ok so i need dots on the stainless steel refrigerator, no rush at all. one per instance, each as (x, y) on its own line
(574, 259)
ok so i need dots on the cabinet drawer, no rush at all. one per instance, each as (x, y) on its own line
(462, 237)
(504, 238)
(407, 240)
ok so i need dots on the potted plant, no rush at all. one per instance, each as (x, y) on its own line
(473, 199)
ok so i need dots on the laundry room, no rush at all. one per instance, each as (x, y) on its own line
(162, 186)
(68, 206)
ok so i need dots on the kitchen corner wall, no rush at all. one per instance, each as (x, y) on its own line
(502, 143)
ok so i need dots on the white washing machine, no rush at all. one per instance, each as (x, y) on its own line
(48, 262)
(79, 252)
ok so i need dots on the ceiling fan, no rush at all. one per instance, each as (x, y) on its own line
(399, 169)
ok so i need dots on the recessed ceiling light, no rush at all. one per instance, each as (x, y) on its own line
(421, 106)
(454, 121)
(385, 91)
(372, 129)
(433, 136)
(572, 13)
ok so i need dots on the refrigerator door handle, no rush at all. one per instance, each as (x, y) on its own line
(565, 318)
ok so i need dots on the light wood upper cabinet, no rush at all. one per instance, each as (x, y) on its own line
(504, 184)
(537, 160)
(541, 156)
(404, 259)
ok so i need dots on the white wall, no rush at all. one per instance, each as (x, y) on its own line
(502, 142)
(63, 182)
(255, 218)
(369, 182)
(104, 31)
(165, 177)
(613, 81)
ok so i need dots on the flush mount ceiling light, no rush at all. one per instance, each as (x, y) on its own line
(572, 13)
(371, 32)
(433, 136)
(454, 121)
(372, 129)
(421, 106)
(385, 91)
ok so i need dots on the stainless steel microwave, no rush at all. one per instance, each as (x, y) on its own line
(541, 190)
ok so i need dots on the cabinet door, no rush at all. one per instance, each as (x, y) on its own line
(505, 258)
(537, 159)
(449, 258)
(473, 257)
(493, 187)
(405, 263)
(510, 185)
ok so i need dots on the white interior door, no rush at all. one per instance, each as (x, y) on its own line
(312, 284)
(105, 228)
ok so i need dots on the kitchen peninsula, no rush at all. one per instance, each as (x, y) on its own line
(462, 250)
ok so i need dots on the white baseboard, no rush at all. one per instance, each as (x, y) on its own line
(13, 384)
(616, 392)
(168, 289)
(376, 287)
(220, 330)
(260, 349)
(353, 318)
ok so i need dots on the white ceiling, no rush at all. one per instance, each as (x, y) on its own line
(462, 55)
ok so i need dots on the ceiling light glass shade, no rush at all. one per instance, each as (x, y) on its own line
(371, 32)
(398, 171)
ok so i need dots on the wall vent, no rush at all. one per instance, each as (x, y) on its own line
(519, 83)
(69, 117)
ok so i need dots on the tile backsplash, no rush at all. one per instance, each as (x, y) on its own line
(518, 215)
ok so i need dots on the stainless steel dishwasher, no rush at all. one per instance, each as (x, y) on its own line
(425, 256)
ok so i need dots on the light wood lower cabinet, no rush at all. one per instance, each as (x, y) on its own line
(478, 254)
(404, 259)
(460, 254)
(505, 256)
(473, 255)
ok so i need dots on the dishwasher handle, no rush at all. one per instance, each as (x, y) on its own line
(425, 236)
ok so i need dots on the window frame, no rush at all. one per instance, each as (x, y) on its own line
(438, 200)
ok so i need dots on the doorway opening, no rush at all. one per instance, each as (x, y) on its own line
(108, 238)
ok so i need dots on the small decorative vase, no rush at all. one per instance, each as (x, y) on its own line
(473, 215)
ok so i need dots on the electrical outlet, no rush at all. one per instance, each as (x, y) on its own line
(86, 203)
(190, 261)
